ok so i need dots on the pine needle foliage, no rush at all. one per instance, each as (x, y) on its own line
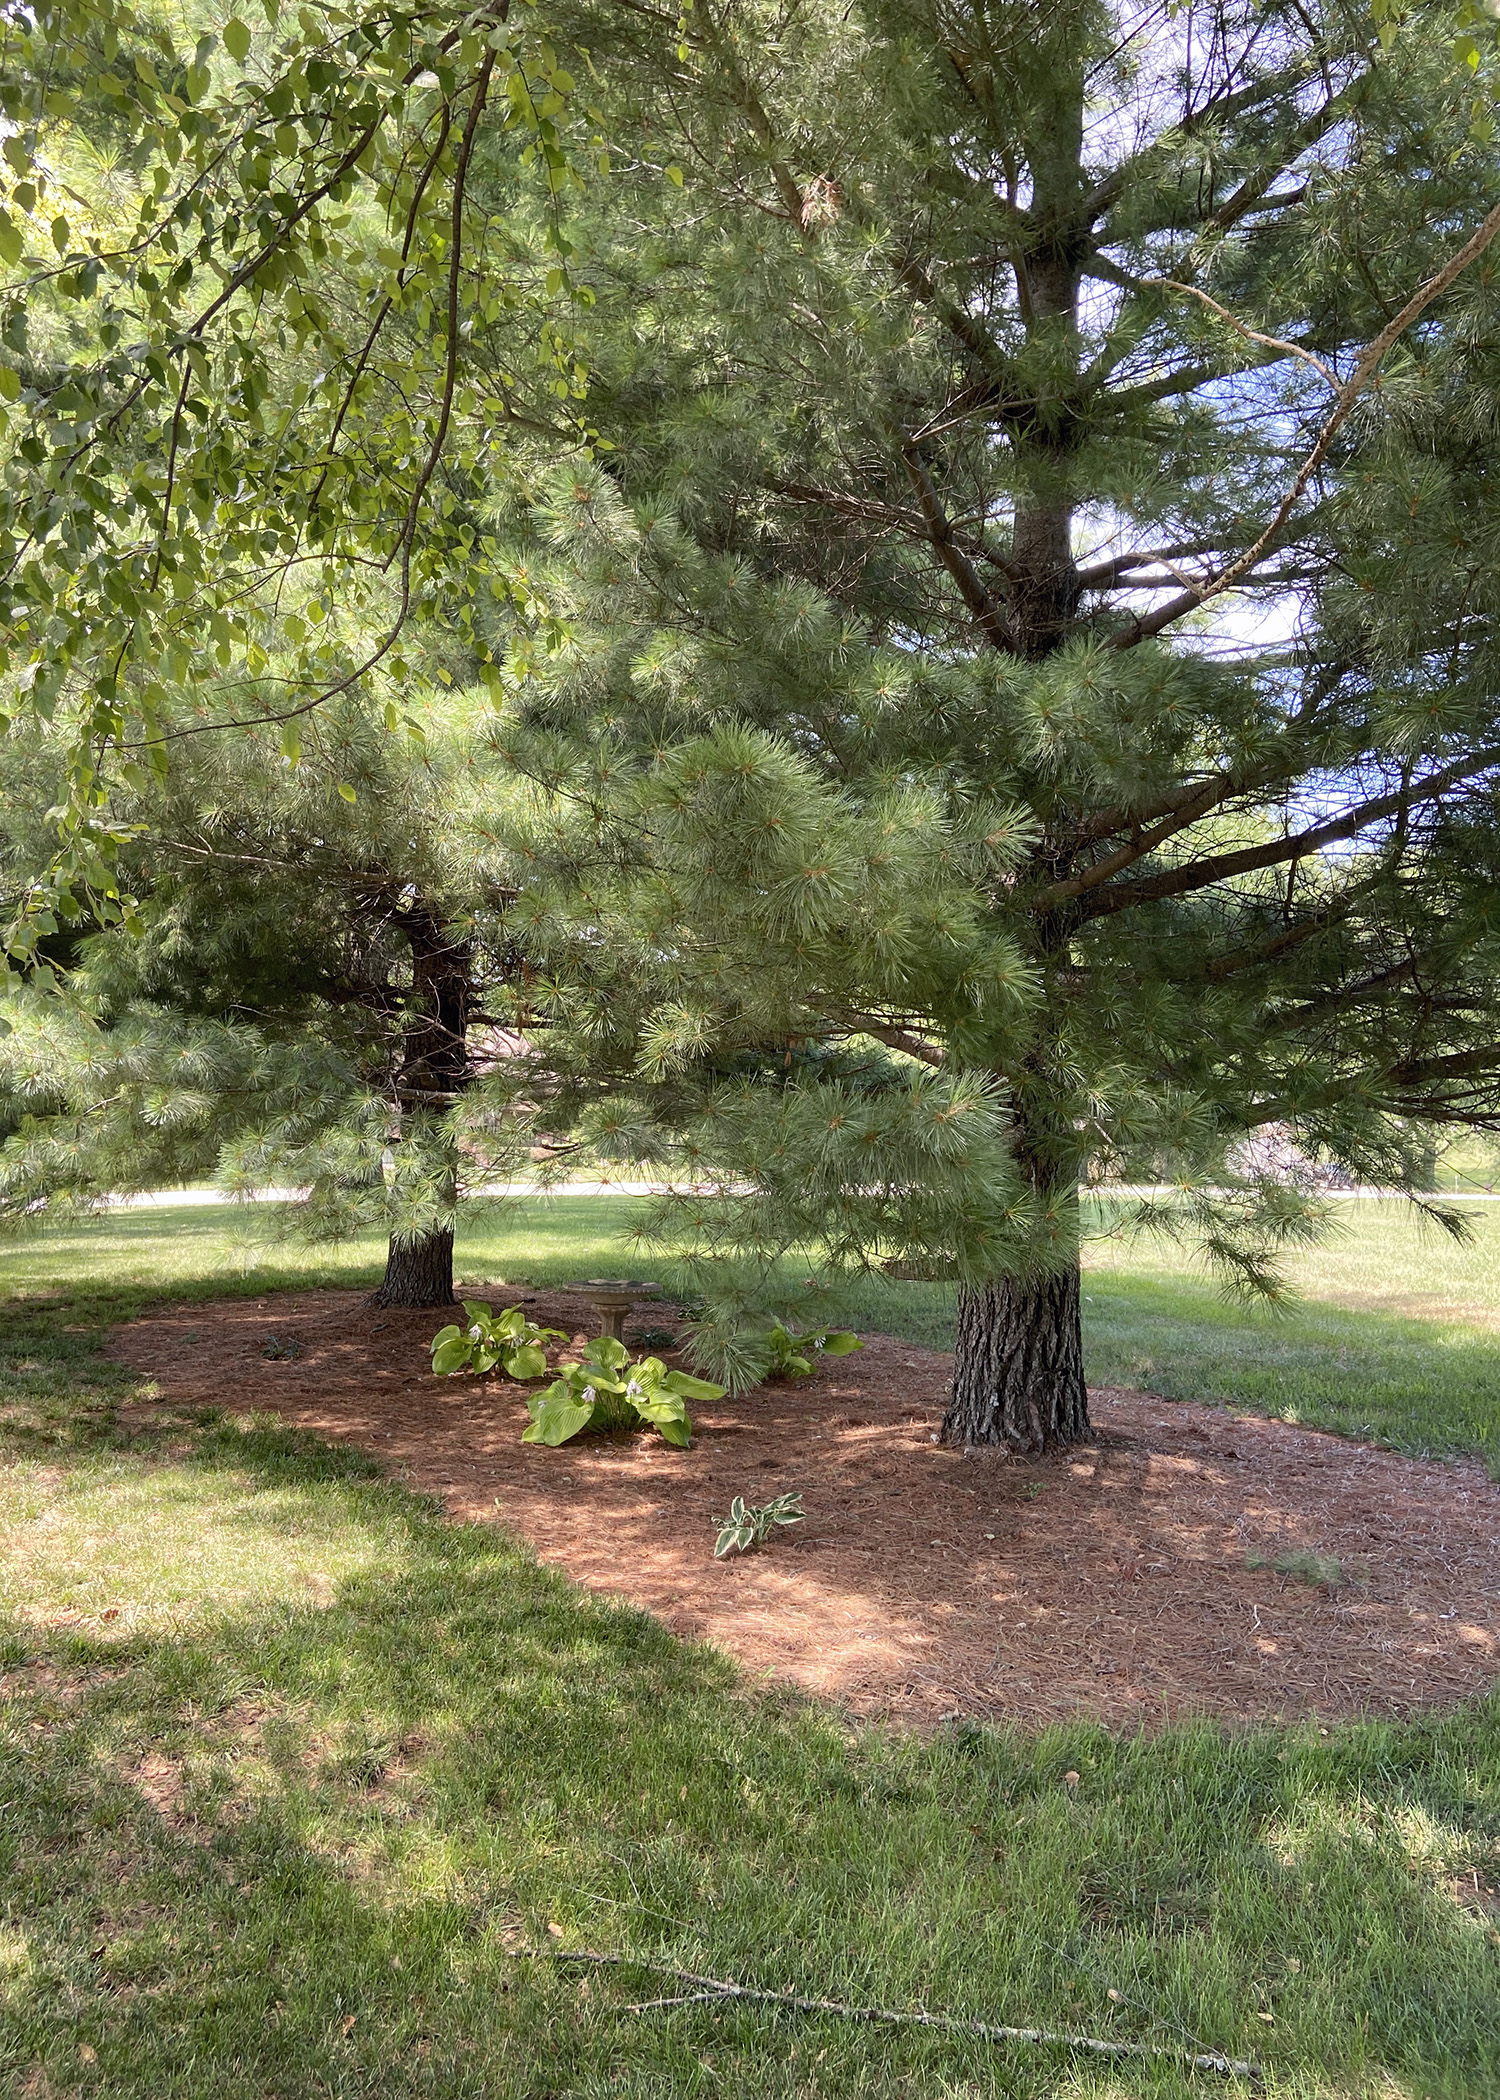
(302, 1006)
(1029, 710)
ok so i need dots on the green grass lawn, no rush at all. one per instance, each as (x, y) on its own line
(288, 1763)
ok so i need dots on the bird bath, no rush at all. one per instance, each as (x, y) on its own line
(614, 1300)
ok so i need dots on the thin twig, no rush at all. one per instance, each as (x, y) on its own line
(1269, 342)
(455, 268)
(715, 1990)
(1153, 623)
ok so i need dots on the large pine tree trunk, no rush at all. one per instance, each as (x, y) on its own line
(1018, 1367)
(418, 1270)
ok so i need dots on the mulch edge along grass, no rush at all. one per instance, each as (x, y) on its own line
(288, 1848)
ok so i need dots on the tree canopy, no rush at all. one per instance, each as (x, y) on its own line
(1016, 631)
(319, 972)
(977, 532)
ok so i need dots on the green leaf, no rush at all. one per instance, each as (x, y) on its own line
(556, 1416)
(452, 1356)
(841, 1343)
(526, 1362)
(236, 39)
(10, 383)
(604, 1349)
(692, 1388)
(347, 792)
(674, 175)
(12, 246)
(659, 1408)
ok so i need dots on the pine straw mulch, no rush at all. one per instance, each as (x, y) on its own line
(1110, 1582)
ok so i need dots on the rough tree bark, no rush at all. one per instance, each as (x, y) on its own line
(434, 1070)
(418, 1269)
(1018, 1367)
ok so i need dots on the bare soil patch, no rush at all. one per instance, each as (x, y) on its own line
(1110, 1582)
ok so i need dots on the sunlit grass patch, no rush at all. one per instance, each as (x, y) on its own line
(283, 1849)
(122, 1544)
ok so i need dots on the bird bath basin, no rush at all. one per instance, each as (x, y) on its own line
(614, 1299)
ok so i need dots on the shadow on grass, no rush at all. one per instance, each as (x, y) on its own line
(279, 1849)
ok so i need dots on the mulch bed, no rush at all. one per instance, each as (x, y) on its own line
(1110, 1582)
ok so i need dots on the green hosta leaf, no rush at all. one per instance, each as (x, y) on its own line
(529, 1361)
(691, 1388)
(487, 1338)
(557, 1415)
(663, 1409)
(840, 1343)
(604, 1349)
(748, 1528)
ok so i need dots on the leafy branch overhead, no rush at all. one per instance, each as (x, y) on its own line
(247, 286)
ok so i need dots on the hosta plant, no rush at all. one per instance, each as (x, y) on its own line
(743, 1348)
(605, 1391)
(792, 1355)
(488, 1338)
(747, 1527)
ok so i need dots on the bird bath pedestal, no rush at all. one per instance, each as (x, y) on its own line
(614, 1300)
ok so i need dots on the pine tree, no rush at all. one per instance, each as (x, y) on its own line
(1031, 706)
(304, 1001)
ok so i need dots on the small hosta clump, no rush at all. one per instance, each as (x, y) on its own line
(746, 1527)
(654, 1338)
(277, 1349)
(793, 1355)
(607, 1391)
(745, 1351)
(489, 1338)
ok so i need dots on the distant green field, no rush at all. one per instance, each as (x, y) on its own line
(1393, 1332)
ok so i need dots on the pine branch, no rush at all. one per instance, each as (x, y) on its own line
(1197, 875)
(971, 588)
(896, 1038)
(1154, 623)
